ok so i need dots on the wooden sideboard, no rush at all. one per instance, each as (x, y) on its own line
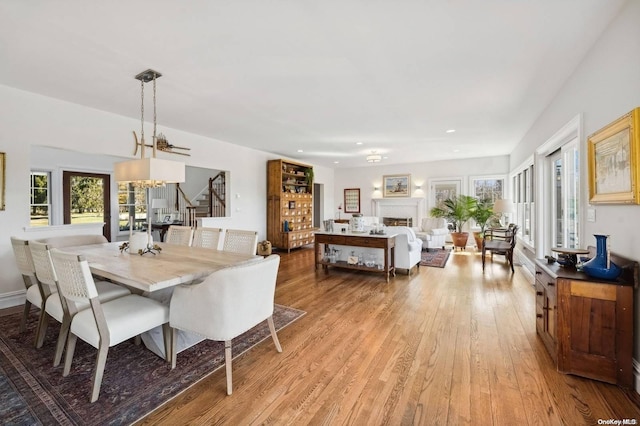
(586, 324)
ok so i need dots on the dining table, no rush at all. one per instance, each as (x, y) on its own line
(172, 265)
(154, 275)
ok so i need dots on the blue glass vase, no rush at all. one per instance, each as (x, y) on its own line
(597, 267)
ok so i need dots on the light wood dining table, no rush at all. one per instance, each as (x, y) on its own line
(172, 266)
(154, 276)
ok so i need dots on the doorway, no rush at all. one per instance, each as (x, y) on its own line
(318, 203)
(87, 199)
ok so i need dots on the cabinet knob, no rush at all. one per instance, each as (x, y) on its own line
(538, 273)
(538, 293)
(539, 315)
(551, 283)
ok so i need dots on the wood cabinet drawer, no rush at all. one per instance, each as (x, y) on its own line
(546, 280)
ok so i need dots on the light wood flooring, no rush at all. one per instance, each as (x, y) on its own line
(442, 346)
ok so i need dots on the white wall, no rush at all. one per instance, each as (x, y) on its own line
(27, 119)
(605, 86)
(368, 177)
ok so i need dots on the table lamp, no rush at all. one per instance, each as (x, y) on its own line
(159, 203)
(503, 207)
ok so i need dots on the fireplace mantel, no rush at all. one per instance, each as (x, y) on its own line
(399, 207)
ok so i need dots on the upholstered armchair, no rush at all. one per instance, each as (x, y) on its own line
(408, 247)
(226, 304)
(432, 231)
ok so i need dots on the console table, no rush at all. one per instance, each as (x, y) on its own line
(163, 227)
(385, 242)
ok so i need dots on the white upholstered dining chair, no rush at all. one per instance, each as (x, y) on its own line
(206, 237)
(35, 295)
(103, 324)
(240, 241)
(226, 304)
(55, 306)
(180, 235)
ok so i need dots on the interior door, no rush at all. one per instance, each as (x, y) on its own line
(87, 199)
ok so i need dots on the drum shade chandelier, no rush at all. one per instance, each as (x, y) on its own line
(149, 172)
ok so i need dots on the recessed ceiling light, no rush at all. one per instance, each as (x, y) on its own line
(336, 162)
(456, 150)
(300, 150)
(358, 143)
(451, 131)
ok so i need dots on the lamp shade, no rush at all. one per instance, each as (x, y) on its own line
(149, 171)
(159, 203)
(503, 206)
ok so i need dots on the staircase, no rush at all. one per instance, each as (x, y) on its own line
(211, 202)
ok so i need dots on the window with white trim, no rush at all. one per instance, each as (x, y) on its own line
(488, 187)
(522, 190)
(40, 198)
(132, 203)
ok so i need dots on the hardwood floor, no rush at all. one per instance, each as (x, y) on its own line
(443, 346)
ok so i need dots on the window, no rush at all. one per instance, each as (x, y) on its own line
(564, 203)
(558, 178)
(523, 197)
(488, 188)
(40, 204)
(132, 202)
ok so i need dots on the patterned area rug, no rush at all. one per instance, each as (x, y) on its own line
(435, 257)
(135, 381)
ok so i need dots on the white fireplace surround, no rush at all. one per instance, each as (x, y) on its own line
(399, 207)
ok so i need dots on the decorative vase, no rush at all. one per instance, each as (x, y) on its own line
(601, 266)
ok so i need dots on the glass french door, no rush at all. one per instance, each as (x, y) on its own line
(87, 199)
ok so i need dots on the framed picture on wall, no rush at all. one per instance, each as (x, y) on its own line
(396, 185)
(614, 153)
(3, 158)
(352, 200)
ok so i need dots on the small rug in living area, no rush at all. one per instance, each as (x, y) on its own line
(435, 257)
(135, 382)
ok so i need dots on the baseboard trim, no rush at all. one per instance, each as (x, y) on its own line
(11, 299)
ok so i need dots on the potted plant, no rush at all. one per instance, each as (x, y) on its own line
(482, 214)
(458, 211)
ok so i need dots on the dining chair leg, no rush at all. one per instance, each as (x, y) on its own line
(41, 332)
(174, 352)
(25, 316)
(98, 371)
(510, 258)
(227, 363)
(274, 335)
(62, 340)
(167, 337)
(68, 358)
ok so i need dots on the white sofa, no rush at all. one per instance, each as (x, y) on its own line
(408, 247)
(432, 231)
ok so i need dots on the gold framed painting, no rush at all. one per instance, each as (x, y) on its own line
(352, 200)
(3, 165)
(614, 155)
(396, 185)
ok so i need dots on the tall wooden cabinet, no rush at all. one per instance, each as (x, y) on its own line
(289, 204)
(587, 324)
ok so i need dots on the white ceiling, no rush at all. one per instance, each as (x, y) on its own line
(280, 76)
